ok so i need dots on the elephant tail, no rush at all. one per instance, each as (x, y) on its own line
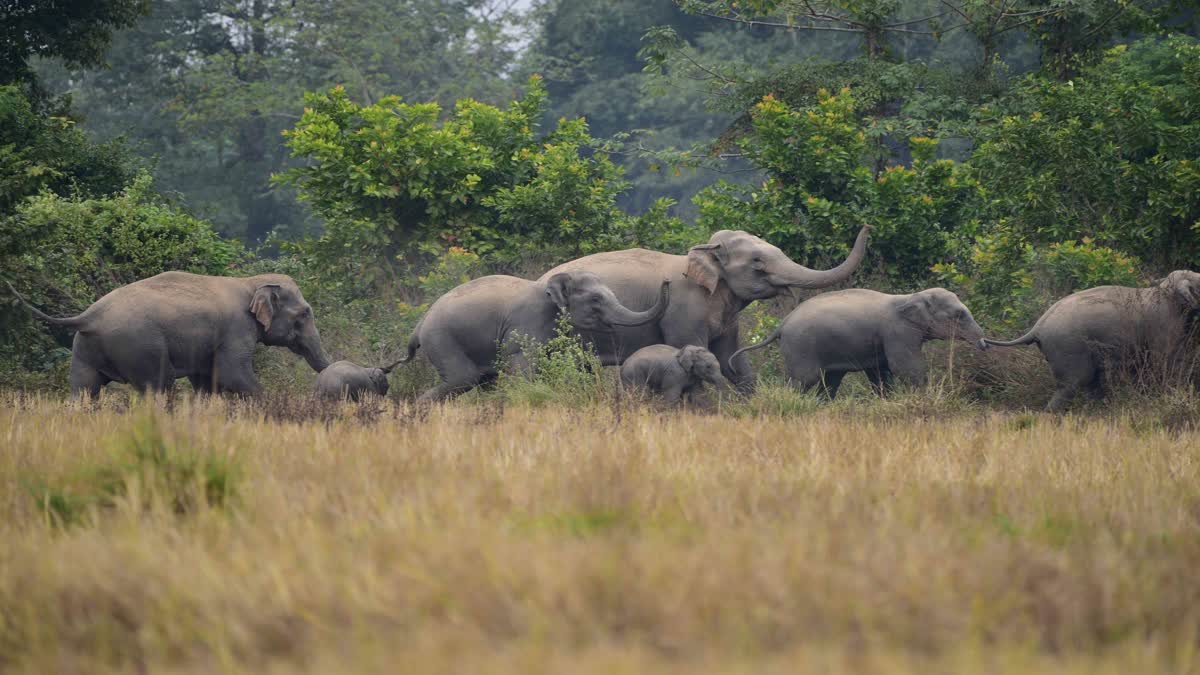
(414, 343)
(68, 321)
(1029, 338)
(750, 348)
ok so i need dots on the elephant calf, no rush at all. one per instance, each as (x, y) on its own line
(1088, 332)
(469, 329)
(672, 372)
(344, 379)
(861, 330)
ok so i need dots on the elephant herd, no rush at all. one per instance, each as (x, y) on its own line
(669, 321)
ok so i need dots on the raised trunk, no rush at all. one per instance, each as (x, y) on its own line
(802, 277)
(623, 316)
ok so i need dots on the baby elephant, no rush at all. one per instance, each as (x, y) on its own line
(672, 372)
(1090, 332)
(857, 329)
(344, 379)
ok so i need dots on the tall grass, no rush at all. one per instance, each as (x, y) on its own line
(481, 538)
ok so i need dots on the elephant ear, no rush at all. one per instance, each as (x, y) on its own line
(263, 304)
(704, 265)
(917, 311)
(558, 288)
(687, 357)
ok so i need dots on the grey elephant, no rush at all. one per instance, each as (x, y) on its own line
(713, 283)
(861, 330)
(1090, 332)
(346, 379)
(175, 324)
(672, 372)
(468, 330)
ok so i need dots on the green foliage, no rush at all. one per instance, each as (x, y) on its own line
(820, 190)
(76, 31)
(40, 151)
(563, 369)
(1012, 281)
(206, 86)
(63, 253)
(1111, 155)
(144, 469)
(395, 185)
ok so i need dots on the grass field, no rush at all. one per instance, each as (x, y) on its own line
(864, 537)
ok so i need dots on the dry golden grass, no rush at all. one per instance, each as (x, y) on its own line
(604, 540)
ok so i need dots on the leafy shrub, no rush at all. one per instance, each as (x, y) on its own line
(396, 185)
(41, 151)
(563, 370)
(820, 190)
(1109, 155)
(63, 253)
(1010, 282)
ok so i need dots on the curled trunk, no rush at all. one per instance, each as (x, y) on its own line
(623, 316)
(800, 276)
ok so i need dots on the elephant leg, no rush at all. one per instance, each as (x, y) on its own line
(738, 372)
(153, 373)
(85, 378)
(907, 362)
(881, 380)
(202, 384)
(234, 372)
(1073, 372)
(672, 395)
(831, 380)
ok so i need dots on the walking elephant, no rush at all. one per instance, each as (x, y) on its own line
(469, 329)
(713, 283)
(672, 372)
(345, 379)
(861, 330)
(176, 324)
(1090, 332)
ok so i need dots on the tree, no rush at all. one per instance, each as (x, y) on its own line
(395, 185)
(207, 86)
(76, 31)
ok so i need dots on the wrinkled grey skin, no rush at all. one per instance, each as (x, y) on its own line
(467, 330)
(861, 330)
(713, 283)
(345, 379)
(672, 372)
(1091, 331)
(176, 324)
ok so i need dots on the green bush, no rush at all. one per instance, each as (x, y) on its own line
(395, 184)
(63, 253)
(820, 189)
(1110, 155)
(563, 370)
(1011, 281)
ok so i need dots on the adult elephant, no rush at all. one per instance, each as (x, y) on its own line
(486, 320)
(713, 282)
(1087, 334)
(176, 324)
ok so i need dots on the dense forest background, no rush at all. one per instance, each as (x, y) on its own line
(381, 151)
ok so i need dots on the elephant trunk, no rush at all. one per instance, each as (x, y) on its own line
(799, 276)
(621, 315)
(309, 347)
